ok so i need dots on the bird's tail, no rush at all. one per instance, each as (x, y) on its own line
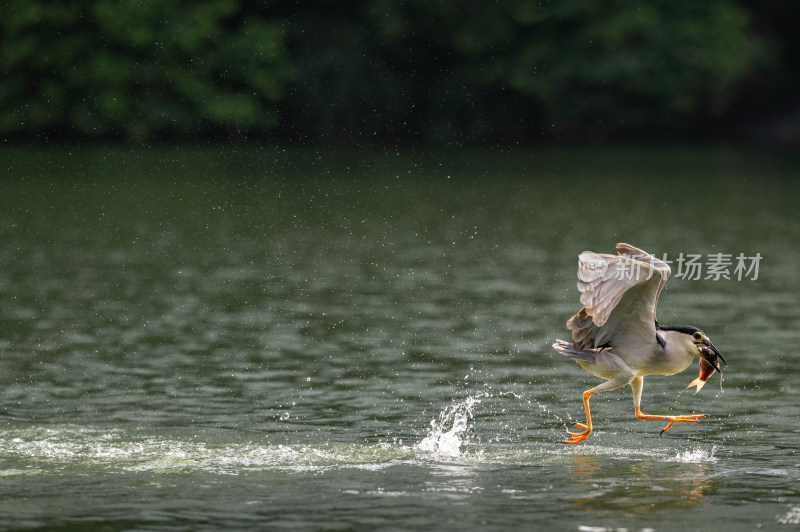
(569, 350)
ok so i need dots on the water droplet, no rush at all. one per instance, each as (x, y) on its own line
(284, 416)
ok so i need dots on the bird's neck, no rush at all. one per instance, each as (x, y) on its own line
(676, 353)
(676, 342)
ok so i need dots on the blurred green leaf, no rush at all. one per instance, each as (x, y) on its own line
(377, 70)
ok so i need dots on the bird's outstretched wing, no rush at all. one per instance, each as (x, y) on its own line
(619, 296)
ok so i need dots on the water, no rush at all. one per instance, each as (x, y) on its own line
(258, 339)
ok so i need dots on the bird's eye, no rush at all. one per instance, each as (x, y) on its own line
(698, 336)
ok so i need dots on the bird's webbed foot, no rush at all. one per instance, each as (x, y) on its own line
(578, 437)
(672, 419)
(681, 419)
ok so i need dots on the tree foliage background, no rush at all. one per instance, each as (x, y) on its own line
(389, 71)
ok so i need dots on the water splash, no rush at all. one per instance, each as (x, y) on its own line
(697, 455)
(37, 450)
(792, 517)
(447, 434)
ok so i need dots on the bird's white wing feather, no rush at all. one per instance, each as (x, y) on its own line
(660, 267)
(619, 296)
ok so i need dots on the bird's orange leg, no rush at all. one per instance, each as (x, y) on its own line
(578, 437)
(636, 385)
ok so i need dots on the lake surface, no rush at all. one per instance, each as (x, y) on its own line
(254, 338)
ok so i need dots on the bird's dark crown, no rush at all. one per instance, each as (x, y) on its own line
(685, 329)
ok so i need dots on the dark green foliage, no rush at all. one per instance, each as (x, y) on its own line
(139, 69)
(375, 71)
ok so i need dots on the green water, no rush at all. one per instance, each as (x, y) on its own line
(268, 339)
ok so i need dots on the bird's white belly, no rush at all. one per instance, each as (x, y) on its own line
(658, 364)
(608, 365)
(615, 364)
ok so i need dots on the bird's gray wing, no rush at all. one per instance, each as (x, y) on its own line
(658, 265)
(619, 296)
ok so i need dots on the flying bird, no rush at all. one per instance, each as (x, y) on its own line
(616, 336)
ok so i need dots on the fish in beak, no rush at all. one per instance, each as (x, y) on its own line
(709, 363)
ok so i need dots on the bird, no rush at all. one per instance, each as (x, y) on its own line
(616, 336)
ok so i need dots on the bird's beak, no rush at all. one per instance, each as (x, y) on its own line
(711, 354)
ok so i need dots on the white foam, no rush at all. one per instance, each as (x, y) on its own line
(792, 517)
(448, 433)
(697, 455)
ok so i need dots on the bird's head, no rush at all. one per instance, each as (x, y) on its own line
(706, 350)
(696, 340)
